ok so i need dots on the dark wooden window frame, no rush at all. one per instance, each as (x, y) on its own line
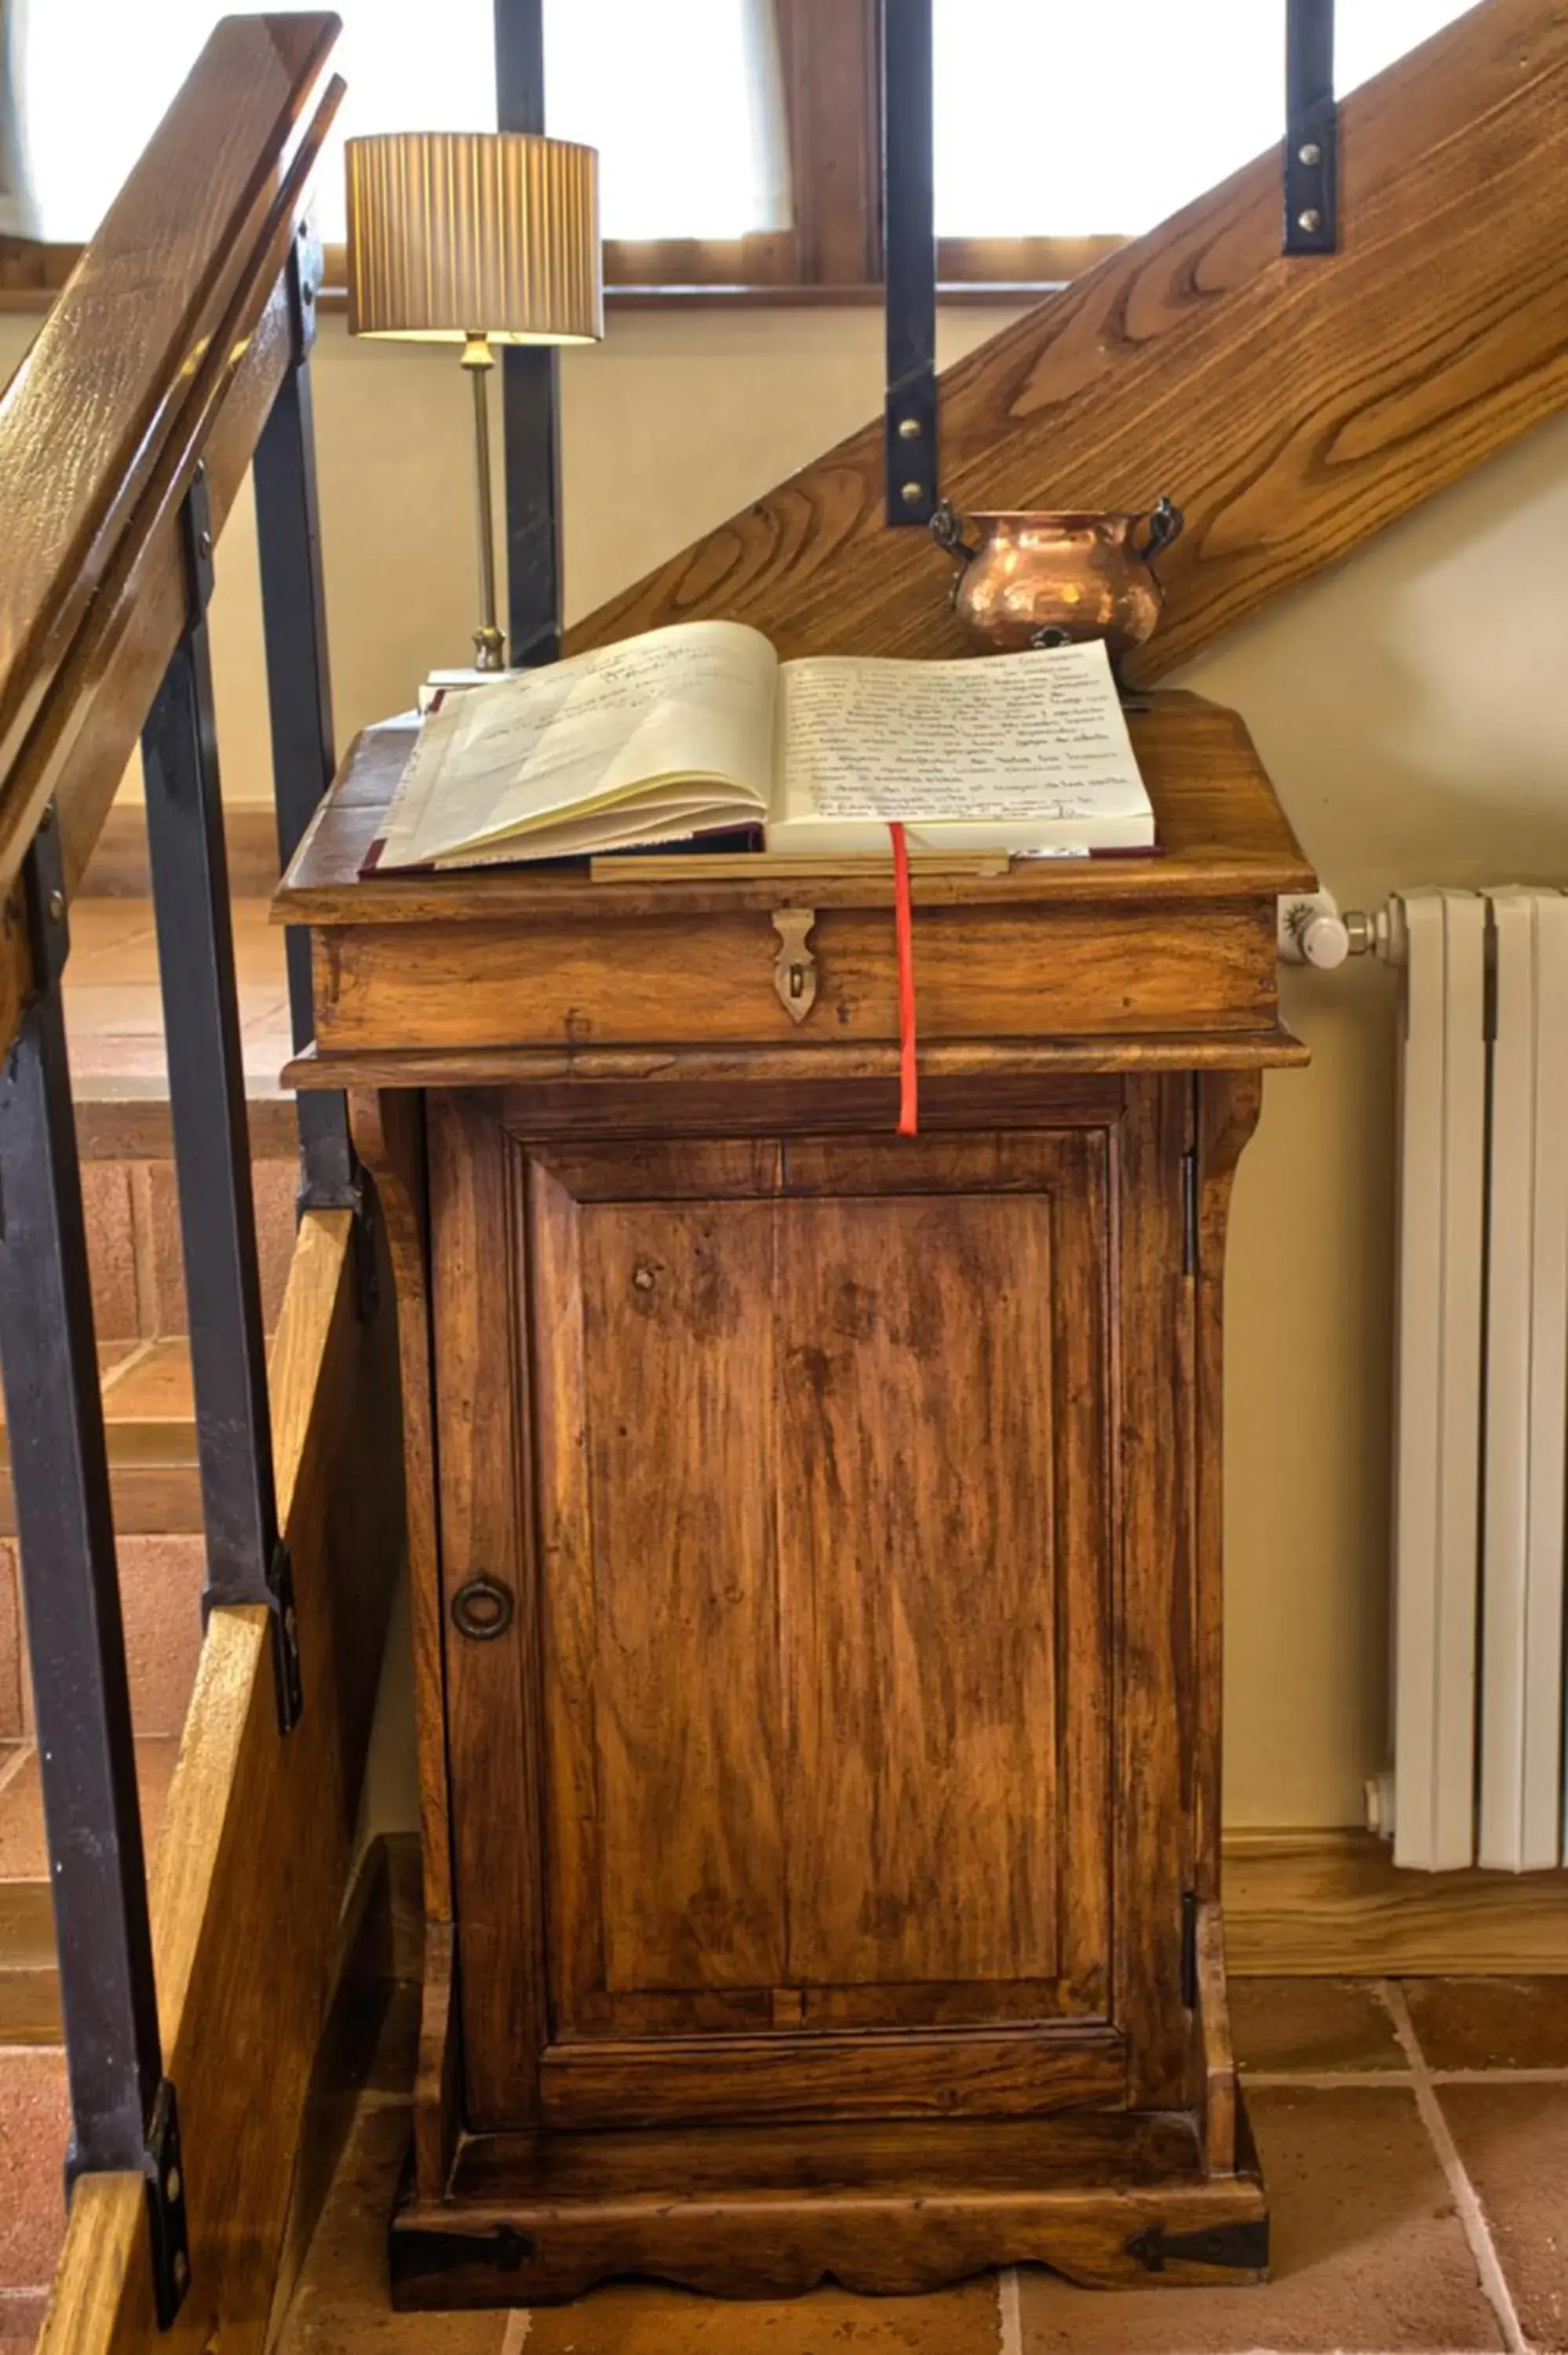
(828, 53)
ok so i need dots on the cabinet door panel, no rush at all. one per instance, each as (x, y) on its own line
(822, 1559)
(918, 1572)
(679, 1423)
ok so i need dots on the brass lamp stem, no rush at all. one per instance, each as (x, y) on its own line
(489, 646)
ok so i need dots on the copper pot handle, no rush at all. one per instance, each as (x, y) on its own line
(948, 531)
(1165, 522)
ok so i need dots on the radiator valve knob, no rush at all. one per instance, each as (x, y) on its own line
(1312, 931)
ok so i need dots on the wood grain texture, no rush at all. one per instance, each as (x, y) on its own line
(244, 1980)
(492, 1688)
(98, 428)
(619, 1076)
(795, 1819)
(388, 1130)
(770, 2212)
(1153, 1640)
(1331, 1904)
(438, 2070)
(1222, 835)
(927, 1819)
(830, 56)
(80, 743)
(964, 2072)
(1219, 2096)
(678, 1407)
(1292, 407)
(1228, 1106)
(1070, 971)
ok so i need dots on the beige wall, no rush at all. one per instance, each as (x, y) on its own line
(1410, 708)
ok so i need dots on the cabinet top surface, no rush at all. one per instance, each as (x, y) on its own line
(1222, 833)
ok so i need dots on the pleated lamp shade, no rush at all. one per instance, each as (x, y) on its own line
(453, 234)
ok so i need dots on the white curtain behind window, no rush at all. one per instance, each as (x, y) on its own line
(1056, 119)
(681, 97)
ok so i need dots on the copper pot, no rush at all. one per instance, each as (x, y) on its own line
(1047, 579)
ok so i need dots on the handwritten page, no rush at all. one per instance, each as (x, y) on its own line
(692, 703)
(1004, 741)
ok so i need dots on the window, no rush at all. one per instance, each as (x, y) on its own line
(680, 99)
(738, 140)
(696, 153)
(1059, 122)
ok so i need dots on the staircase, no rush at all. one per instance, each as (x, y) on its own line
(120, 1082)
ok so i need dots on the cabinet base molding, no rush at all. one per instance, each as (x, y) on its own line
(1111, 2200)
(1332, 1904)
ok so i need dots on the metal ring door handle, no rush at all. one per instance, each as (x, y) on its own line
(483, 1609)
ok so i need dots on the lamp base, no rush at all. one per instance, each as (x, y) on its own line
(489, 648)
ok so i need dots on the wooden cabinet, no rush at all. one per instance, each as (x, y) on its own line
(816, 1566)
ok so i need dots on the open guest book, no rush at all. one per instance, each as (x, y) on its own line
(700, 728)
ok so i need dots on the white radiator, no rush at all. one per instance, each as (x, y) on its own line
(1482, 1379)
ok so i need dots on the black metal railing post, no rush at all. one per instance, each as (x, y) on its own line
(909, 259)
(530, 386)
(247, 1561)
(123, 2114)
(1311, 129)
(299, 698)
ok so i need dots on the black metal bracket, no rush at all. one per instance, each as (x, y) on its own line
(1232, 2248)
(1311, 129)
(195, 532)
(168, 2231)
(287, 1675)
(303, 281)
(909, 261)
(48, 917)
(166, 2221)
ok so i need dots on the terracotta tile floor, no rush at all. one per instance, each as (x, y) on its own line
(1414, 2139)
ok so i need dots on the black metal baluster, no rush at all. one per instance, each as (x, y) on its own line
(299, 699)
(247, 1562)
(123, 2114)
(1311, 129)
(530, 384)
(909, 259)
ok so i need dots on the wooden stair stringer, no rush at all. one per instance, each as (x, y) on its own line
(1292, 407)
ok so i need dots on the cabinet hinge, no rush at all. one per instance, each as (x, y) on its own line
(1189, 1212)
(1237, 2248)
(1190, 1949)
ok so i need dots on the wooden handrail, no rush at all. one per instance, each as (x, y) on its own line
(163, 347)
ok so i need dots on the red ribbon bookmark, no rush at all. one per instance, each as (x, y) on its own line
(904, 930)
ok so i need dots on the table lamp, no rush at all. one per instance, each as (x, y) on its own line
(474, 238)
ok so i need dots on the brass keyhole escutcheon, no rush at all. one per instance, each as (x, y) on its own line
(794, 966)
(483, 1609)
